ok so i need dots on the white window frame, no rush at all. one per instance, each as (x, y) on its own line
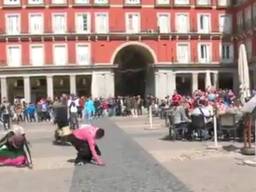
(189, 52)
(227, 3)
(101, 2)
(88, 25)
(65, 18)
(126, 22)
(231, 23)
(58, 3)
(198, 23)
(178, 2)
(107, 17)
(162, 2)
(169, 19)
(31, 2)
(60, 44)
(199, 52)
(6, 23)
(30, 52)
(231, 59)
(84, 2)
(176, 22)
(207, 2)
(8, 2)
(29, 17)
(8, 58)
(132, 2)
(89, 53)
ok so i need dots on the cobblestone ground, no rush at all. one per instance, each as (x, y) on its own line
(128, 168)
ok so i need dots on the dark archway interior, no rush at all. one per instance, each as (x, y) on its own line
(134, 63)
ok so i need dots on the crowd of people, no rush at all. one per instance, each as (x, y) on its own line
(88, 108)
(185, 111)
(67, 111)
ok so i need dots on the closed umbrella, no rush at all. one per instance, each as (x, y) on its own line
(243, 74)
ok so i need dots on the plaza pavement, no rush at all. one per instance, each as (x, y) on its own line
(137, 160)
(201, 169)
(128, 167)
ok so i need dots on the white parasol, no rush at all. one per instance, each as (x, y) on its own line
(243, 74)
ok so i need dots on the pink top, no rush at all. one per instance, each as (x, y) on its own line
(88, 133)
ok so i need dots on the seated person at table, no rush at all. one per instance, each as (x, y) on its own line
(180, 119)
(203, 109)
(14, 148)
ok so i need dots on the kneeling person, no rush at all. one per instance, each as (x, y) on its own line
(14, 148)
(84, 140)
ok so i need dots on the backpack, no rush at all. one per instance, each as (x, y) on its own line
(72, 107)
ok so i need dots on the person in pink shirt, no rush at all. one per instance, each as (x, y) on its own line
(84, 140)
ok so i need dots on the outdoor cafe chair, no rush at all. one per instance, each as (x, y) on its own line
(228, 124)
(198, 125)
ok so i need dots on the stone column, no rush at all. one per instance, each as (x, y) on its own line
(72, 80)
(194, 81)
(216, 80)
(208, 80)
(49, 80)
(4, 91)
(27, 89)
(172, 81)
(102, 84)
(156, 84)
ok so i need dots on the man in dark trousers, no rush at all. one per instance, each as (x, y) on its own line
(60, 117)
(84, 140)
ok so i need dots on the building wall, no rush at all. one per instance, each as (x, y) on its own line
(104, 47)
(164, 49)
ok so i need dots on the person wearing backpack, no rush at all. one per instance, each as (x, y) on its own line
(73, 115)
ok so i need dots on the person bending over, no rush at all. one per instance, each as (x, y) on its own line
(14, 149)
(84, 140)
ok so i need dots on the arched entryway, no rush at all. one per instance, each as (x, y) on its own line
(134, 75)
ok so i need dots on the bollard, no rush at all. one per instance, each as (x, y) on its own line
(150, 117)
(215, 131)
(215, 146)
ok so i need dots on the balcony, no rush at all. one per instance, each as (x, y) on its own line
(114, 34)
(132, 3)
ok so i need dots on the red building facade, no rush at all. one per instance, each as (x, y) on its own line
(121, 47)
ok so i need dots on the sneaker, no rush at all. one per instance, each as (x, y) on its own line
(79, 163)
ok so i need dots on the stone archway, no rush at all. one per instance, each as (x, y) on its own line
(134, 75)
